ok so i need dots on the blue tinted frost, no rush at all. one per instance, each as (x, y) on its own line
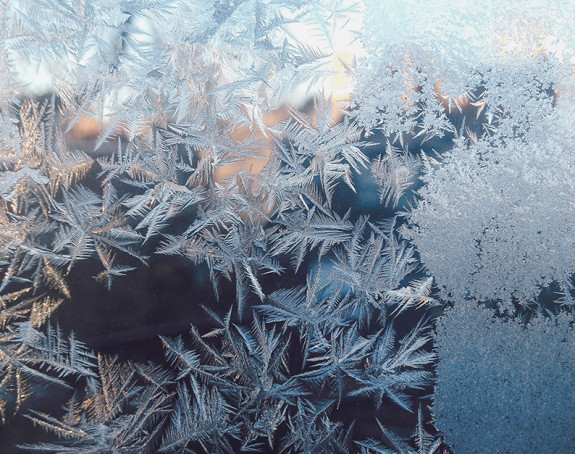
(314, 332)
(504, 387)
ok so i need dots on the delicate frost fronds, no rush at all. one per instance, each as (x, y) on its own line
(451, 154)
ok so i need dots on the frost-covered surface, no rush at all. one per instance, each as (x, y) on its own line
(324, 270)
(497, 219)
(504, 387)
(494, 219)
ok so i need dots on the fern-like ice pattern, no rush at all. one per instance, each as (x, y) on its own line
(367, 259)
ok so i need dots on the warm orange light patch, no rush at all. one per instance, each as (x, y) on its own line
(340, 84)
(339, 90)
(445, 97)
(85, 129)
(254, 164)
